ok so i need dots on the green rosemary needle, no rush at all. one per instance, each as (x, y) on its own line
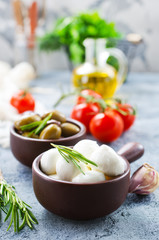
(30, 126)
(36, 127)
(43, 124)
(14, 207)
(72, 155)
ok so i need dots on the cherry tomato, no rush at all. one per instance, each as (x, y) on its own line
(23, 101)
(107, 126)
(128, 116)
(84, 112)
(87, 92)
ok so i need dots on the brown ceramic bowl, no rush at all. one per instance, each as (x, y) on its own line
(27, 149)
(84, 201)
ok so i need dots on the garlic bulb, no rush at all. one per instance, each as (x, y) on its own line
(145, 180)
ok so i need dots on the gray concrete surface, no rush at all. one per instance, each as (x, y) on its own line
(138, 217)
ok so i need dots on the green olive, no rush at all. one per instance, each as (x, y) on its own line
(56, 115)
(52, 121)
(69, 129)
(27, 134)
(26, 120)
(52, 131)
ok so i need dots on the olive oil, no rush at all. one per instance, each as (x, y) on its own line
(95, 73)
(103, 82)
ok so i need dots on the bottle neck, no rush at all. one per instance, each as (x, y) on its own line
(93, 49)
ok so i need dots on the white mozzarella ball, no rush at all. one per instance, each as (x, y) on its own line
(86, 147)
(66, 171)
(21, 75)
(89, 177)
(108, 161)
(48, 161)
(54, 176)
(84, 167)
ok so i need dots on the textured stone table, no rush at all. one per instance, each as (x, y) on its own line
(138, 217)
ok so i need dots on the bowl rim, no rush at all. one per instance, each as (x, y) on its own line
(36, 168)
(63, 139)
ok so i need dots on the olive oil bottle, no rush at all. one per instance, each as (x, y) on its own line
(95, 73)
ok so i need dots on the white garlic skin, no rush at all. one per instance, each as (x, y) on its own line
(90, 176)
(86, 147)
(48, 161)
(108, 161)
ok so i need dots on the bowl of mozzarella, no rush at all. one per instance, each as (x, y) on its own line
(94, 190)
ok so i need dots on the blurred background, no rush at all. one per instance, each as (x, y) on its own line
(138, 16)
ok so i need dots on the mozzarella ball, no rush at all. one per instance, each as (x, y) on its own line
(48, 161)
(108, 161)
(86, 147)
(84, 167)
(66, 171)
(21, 75)
(54, 176)
(89, 177)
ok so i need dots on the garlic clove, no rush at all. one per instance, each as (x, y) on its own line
(144, 181)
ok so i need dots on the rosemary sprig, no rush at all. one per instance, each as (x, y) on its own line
(72, 155)
(2, 206)
(15, 208)
(36, 127)
(63, 96)
(30, 126)
(76, 92)
(43, 124)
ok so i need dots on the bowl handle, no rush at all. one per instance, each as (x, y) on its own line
(131, 151)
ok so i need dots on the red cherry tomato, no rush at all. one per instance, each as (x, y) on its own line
(23, 101)
(84, 112)
(107, 127)
(87, 92)
(129, 116)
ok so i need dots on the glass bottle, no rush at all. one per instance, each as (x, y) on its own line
(29, 16)
(95, 73)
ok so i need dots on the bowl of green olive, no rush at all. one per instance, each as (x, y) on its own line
(33, 134)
